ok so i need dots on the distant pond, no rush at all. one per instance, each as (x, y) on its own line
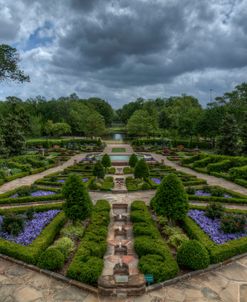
(116, 136)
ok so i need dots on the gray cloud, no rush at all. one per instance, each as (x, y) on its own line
(123, 49)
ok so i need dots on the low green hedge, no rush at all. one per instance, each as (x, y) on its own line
(217, 199)
(27, 199)
(218, 253)
(37, 208)
(31, 253)
(154, 254)
(88, 262)
(239, 172)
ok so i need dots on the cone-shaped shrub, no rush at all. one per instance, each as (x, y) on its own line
(78, 204)
(99, 170)
(133, 160)
(171, 199)
(141, 169)
(106, 161)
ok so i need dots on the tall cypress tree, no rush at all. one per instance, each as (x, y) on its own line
(228, 140)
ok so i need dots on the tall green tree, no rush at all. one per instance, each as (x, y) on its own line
(78, 204)
(228, 142)
(141, 169)
(171, 199)
(142, 123)
(13, 135)
(98, 170)
(9, 69)
(133, 160)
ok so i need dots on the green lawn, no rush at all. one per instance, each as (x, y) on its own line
(118, 150)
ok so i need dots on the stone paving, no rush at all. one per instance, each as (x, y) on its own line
(226, 284)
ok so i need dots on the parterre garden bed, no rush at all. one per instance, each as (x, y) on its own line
(47, 239)
(232, 168)
(157, 172)
(157, 242)
(23, 165)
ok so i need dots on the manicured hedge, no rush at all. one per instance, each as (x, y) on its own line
(239, 173)
(37, 208)
(218, 253)
(154, 255)
(31, 253)
(27, 199)
(88, 263)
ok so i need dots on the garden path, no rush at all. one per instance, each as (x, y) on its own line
(30, 179)
(211, 180)
(226, 284)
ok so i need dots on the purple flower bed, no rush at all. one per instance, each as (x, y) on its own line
(156, 180)
(212, 227)
(202, 193)
(42, 193)
(61, 180)
(32, 228)
(85, 179)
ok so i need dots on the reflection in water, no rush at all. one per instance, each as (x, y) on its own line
(118, 136)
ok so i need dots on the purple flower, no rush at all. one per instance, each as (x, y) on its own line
(85, 179)
(156, 180)
(212, 227)
(32, 228)
(202, 193)
(14, 196)
(227, 195)
(61, 180)
(42, 193)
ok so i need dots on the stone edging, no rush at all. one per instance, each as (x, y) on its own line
(57, 276)
(193, 273)
(94, 290)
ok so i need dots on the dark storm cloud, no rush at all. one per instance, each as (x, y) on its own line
(123, 48)
(147, 42)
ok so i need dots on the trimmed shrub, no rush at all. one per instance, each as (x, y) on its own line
(106, 161)
(176, 240)
(51, 259)
(73, 231)
(65, 245)
(171, 199)
(133, 160)
(221, 166)
(87, 271)
(141, 169)
(214, 210)
(12, 224)
(240, 172)
(233, 223)
(155, 265)
(98, 170)
(78, 204)
(193, 255)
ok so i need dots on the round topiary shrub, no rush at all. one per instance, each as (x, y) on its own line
(51, 259)
(193, 255)
(133, 160)
(141, 169)
(106, 161)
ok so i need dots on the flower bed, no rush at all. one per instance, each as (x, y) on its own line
(212, 227)
(32, 227)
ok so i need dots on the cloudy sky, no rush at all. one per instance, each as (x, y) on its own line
(123, 49)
